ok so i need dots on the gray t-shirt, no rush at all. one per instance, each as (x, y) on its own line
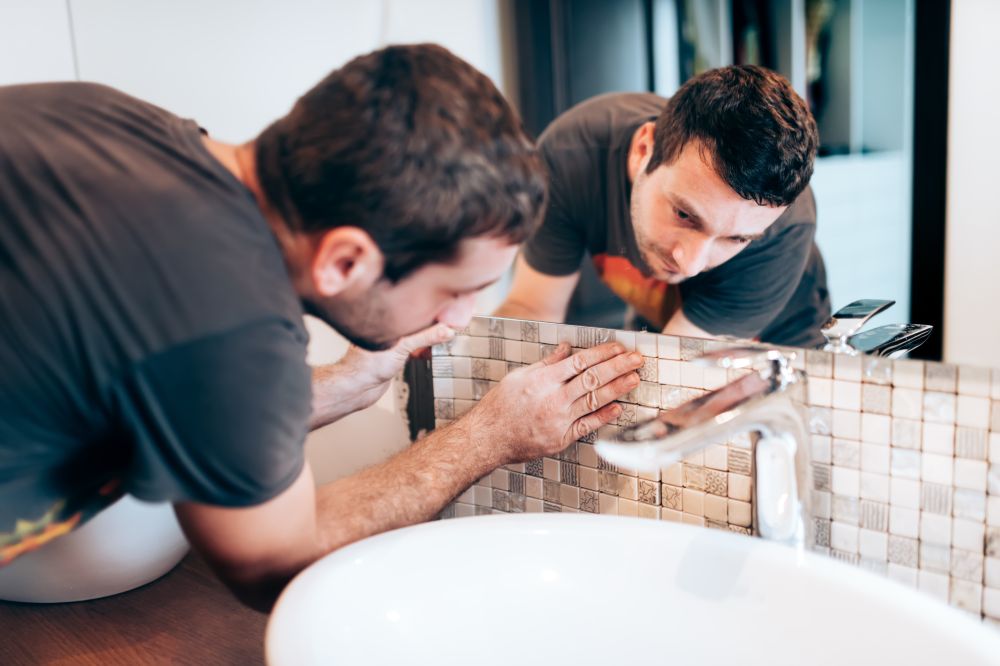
(773, 290)
(151, 342)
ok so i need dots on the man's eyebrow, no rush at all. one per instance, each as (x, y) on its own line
(689, 210)
(699, 222)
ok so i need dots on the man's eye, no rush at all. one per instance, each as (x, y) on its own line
(682, 215)
(742, 240)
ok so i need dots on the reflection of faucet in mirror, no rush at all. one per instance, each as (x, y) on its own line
(769, 401)
(893, 340)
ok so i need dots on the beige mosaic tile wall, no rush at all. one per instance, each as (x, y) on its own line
(905, 455)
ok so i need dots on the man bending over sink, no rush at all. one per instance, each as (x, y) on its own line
(152, 292)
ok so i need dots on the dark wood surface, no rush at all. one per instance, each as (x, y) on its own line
(186, 617)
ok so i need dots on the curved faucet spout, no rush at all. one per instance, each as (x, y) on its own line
(767, 401)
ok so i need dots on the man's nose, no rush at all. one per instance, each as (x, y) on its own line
(459, 312)
(691, 256)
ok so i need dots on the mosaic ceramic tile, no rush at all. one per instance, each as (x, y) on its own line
(691, 348)
(716, 482)
(571, 453)
(739, 486)
(693, 502)
(966, 595)
(819, 364)
(875, 486)
(668, 347)
(589, 501)
(936, 498)
(846, 395)
(568, 473)
(648, 492)
(716, 508)
(908, 374)
(941, 377)
(740, 513)
(968, 535)
(846, 509)
(905, 454)
(873, 545)
(672, 497)
(628, 487)
(873, 516)
(847, 368)
(934, 584)
(876, 370)
(971, 443)
(906, 433)
(876, 398)
(739, 461)
(608, 482)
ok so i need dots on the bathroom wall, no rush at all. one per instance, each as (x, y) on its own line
(905, 455)
(973, 233)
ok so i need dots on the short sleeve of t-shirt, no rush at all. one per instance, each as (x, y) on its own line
(220, 420)
(558, 245)
(742, 296)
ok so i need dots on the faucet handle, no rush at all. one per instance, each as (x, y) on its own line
(740, 358)
(892, 340)
(849, 319)
(772, 364)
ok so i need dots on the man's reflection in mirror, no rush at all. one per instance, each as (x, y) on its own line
(696, 211)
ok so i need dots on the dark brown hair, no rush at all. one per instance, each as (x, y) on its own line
(414, 146)
(759, 134)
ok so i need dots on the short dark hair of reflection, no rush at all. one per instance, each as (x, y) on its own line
(760, 135)
(414, 146)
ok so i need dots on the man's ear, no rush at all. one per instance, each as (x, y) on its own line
(641, 149)
(346, 259)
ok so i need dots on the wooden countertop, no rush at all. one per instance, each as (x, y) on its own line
(186, 617)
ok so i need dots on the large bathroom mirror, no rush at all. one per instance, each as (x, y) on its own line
(875, 76)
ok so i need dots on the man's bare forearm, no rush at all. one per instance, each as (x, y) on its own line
(338, 390)
(411, 487)
(515, 309)
(360, 378)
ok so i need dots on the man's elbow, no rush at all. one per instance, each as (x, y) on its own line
(257, 590)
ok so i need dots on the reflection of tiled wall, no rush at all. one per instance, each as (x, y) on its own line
(901, 455)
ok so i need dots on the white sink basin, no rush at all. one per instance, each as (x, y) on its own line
(129, 544)
(578, 589)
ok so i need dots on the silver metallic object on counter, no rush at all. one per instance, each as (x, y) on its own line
(844, 335)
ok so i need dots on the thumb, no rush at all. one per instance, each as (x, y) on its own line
(433, 335)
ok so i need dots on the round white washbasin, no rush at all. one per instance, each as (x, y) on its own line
(129, 544)
(582, 589)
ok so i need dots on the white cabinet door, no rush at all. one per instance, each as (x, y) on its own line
(35, 41)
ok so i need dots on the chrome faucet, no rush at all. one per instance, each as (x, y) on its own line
(768, 400)
(844, 336)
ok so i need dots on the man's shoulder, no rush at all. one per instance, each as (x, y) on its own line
(70, 98)
(601, 121)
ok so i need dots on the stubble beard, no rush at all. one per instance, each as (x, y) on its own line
(358, 322)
